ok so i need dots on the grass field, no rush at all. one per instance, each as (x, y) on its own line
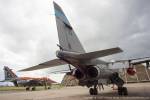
(38, 88)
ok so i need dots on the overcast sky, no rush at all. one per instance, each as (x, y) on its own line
(28, 34)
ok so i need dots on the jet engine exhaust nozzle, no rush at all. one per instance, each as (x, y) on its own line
(93, 72)
(78, 74)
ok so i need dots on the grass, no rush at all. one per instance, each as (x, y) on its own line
(12, 88)
(38, 88)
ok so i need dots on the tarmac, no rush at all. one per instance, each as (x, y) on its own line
(137, 91)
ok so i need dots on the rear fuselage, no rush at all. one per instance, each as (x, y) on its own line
(85, 72)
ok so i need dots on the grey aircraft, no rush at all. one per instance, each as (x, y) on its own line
(89, 70)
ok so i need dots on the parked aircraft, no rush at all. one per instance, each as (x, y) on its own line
(28, 82)
(89, 70)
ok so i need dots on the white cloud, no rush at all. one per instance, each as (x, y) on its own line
(29, 36)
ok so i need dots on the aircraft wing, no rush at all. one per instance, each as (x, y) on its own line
(51, 63)
(139, 62)
(97, 54)
(134, 61)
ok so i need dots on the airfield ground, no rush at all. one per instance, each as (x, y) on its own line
(137, 91)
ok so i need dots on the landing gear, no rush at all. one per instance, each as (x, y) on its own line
(93, 91)
(33, 88)
(27, 88)
(115, 79)
(122, 91)
(49, 88)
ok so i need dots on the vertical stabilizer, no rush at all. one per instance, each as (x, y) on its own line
(9, 74)
(67, 37)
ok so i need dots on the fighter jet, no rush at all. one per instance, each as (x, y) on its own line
(28, 82)
(89, 70)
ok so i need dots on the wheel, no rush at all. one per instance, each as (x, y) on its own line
(95, 91)
(91, 91)
(33, 88)
(27, 88)
(48, 88)
(120, 90)
(125, 91)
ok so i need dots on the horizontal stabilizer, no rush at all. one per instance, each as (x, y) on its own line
(59, 72)
(97, 54)
(52, 63)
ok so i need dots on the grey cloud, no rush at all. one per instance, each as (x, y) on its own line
(27, 33)
(103, 24)
(28, 30)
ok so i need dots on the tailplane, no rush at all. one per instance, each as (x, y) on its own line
(67, 38)
(9, 74)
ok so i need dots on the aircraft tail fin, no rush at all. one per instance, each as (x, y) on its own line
(9, 74)
(67, 38)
